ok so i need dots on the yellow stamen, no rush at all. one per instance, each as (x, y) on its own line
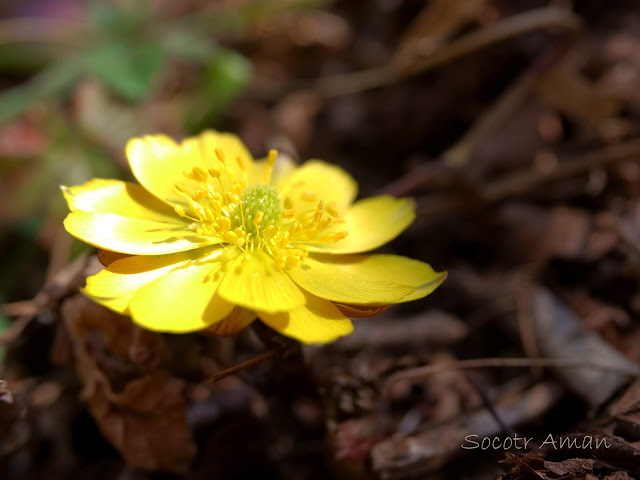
(259, 217)
(295, 228)
(308, 196)
(225, 223)
(230, 237)
(281, 259)
(199, 173)
(270, 232)
(284, 240)
(210, 215)
(180, 210)
(268, 168)
(333, 237)
(288, 203)
(331, 209)
(271, 157)
(323, 223)
(319, 212)
(293, 261)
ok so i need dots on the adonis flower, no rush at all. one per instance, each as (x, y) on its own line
(214, 239)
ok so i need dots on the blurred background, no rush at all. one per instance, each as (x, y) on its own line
(514, 124)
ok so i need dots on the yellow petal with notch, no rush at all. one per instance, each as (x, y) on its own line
(159, 163)
(183, 300)
(329, 282)
(118, 197)
(316, 180)
(259, 285)
(115, 285)
(390, 268)
(131, 235)
(319, 321)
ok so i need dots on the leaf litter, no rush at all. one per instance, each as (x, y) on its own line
(516, 130)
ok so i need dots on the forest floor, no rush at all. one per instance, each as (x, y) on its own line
(516, 127)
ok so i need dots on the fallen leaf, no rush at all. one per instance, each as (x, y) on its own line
(138, 407)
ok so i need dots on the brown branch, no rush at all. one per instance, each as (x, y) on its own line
(521, 182)
(428, 370)
(540, 19)
(527, 180)
(242, 366)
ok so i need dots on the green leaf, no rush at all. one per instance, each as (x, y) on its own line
(226, 78)
(127, 69)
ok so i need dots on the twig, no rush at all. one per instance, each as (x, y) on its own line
(421, 372)
(242, 366)
(526, 328)
(459, 153)
(488, 404)
(60, 252)
(503, 108)
(54, 289)
(527, 179)
(543, 18)
(15, 329)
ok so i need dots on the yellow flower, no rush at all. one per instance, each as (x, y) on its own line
(215, 239)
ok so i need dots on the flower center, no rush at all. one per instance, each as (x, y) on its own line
(259, 209)
(221, 205)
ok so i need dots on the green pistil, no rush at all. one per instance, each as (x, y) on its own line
(259, 198)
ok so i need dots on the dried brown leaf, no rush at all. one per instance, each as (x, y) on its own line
(138, 408)
(361, 311)
(560, 333)
(401, 457)
(530, 468)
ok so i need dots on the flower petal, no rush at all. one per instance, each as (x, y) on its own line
(183, 300)
(391, 268)
(338, 285)
(319, 321)
(329, 183)
(232, 324)
(158, 162)
(371, 223)
(130, 235)
(121, 198)
(258, 284)
(115, 285)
